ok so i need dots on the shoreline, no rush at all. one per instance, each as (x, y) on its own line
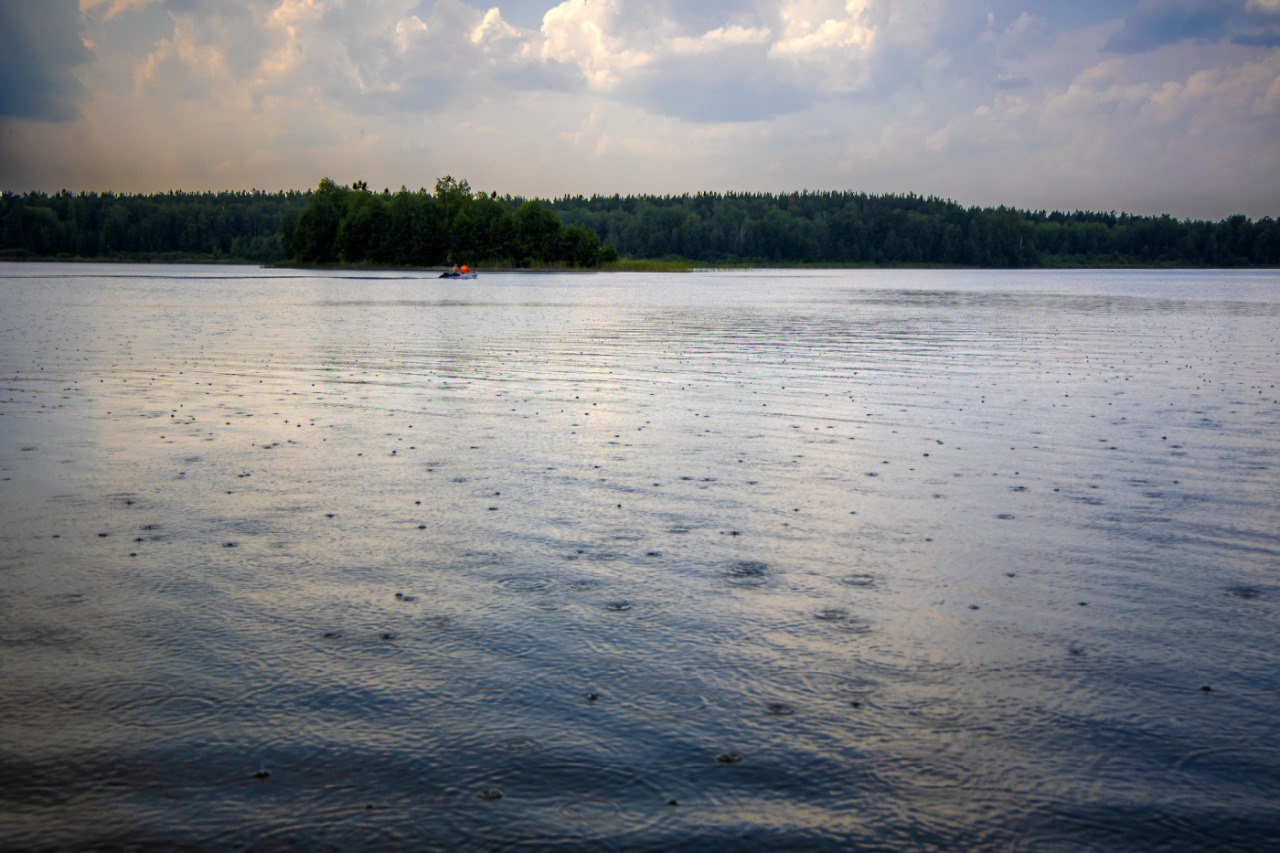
(635, 265)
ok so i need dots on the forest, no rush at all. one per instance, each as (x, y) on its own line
(174, 226)
(451, 223)
(859, 229)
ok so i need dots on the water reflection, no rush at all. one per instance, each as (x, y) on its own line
(797, 559)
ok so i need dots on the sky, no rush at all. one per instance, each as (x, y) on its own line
(1146, 106)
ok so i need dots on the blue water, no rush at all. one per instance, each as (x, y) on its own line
(765, 559)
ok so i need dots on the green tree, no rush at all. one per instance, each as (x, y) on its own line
(315, 238)
(536, 231)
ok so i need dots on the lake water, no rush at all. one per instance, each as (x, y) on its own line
(753, 559)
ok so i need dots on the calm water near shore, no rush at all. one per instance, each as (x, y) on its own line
(765, 559)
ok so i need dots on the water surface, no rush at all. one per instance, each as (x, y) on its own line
(769, 559)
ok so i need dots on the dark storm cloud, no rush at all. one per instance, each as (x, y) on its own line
(1155, 23)
(40, 45)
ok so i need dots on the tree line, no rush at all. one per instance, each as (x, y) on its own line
(857, 228)
(453, 224)
(233, 226)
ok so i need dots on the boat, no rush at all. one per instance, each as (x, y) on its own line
(463, 271)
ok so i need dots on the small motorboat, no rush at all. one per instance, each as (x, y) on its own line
(459, 272)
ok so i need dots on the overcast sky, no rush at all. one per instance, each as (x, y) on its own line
(1151, 106)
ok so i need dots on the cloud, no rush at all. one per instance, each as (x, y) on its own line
(812, 29)
(730, 88)
(112, 8)
(720, 38)
(1111, 138)
(188, 67)
(1258, 38)
(40, 48)
(492, 29)
(1155, 23)
(1004, 81)
(1211, 97)
(722, 75)
(577, 32)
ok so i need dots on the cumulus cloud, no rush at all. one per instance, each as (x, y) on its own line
(720, 38)
(812, 29)
(493, 30)
(578, 32)
(40, 48)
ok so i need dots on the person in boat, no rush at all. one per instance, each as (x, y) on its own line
(453, 270)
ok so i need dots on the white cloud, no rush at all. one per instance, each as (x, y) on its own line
(719, 39)
(811, 29)
(493, 29)
(1208, 97)
(410, 29)
(576, 32)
